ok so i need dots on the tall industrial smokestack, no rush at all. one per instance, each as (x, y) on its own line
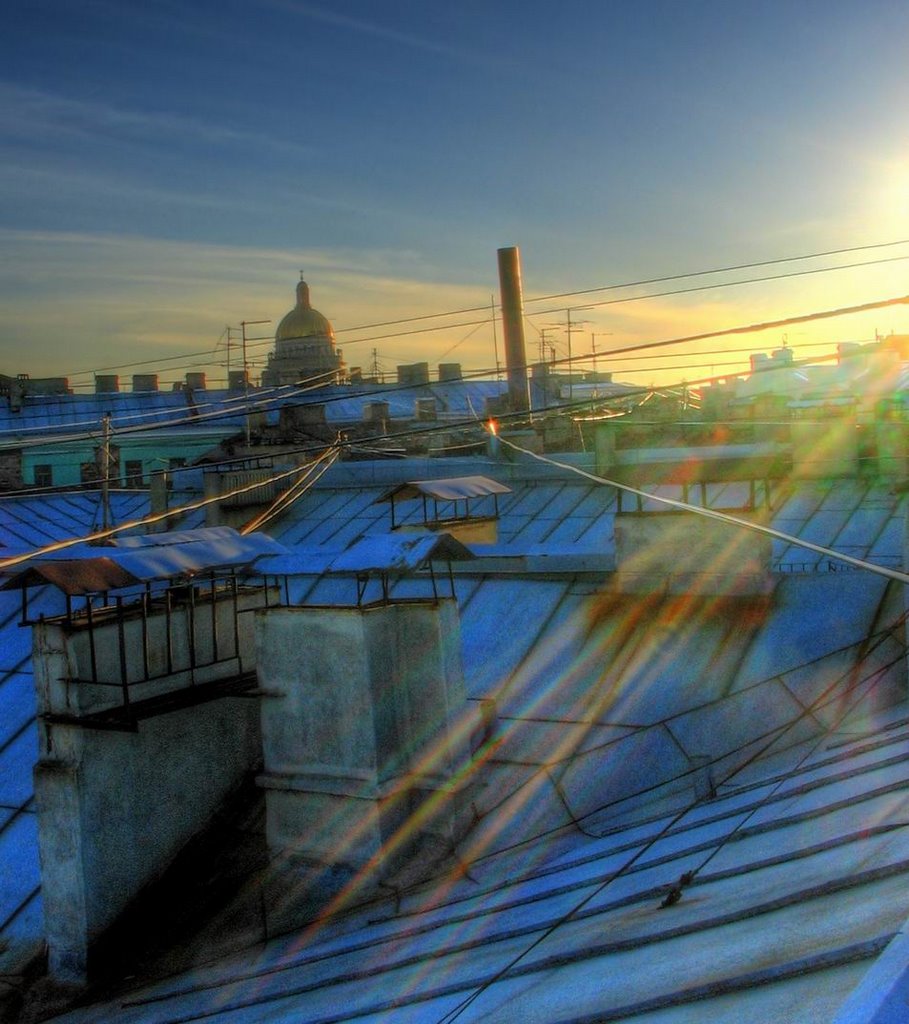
(513, 325)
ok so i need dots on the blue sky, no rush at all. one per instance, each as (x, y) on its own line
(169, 167)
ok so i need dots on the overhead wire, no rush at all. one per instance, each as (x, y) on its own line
(296, 490)
(555, 295)
(894, 574)
(721, 270)
(715, 287)
(270, 970)
(686, 879)
(256, 405)
(152, 518)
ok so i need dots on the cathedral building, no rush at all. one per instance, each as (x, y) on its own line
(304, 347)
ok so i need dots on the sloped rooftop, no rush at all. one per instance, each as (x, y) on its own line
(43, 415)
(605, 709)
(799, 867)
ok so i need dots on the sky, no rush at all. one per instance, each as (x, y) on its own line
(168, 170)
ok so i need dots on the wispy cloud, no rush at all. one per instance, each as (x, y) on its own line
(122, 298)
(379, 31)
(28, 114)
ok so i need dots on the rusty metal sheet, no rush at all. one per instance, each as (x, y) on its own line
(75, 576)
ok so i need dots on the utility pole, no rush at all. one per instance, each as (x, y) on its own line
(593, 349)
(495, 340)
(105, 471)
(543, 345)
(228, 329)
(570, 364)
(243, 325)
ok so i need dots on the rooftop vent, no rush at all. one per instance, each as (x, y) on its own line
(145, 382)
(375, 412)
(425, 409)
(450, 504)
(413, 374)
(106, 384)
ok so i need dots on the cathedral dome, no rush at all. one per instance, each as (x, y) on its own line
(303, 321)
(304, 349)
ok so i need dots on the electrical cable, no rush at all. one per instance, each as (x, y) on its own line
(540, 298)
(715, 287)
(274, 969)
(723, 517)
(258, 405)
(720, 270)
(148, 520)
(887, 632)
(456, 1011)
(295, 491)
(710, 513)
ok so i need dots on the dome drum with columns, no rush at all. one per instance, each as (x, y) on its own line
(304, 347)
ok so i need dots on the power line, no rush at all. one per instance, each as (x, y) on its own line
(722, 270)
(569, 915)
(148, 520)
(714, 287)
(557, 295)
(745, 329)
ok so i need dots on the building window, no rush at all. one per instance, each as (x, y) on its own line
(134, 473)
(44, 476)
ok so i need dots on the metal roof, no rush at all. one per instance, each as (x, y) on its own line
(217, 410)
(448, 489)
(400, 552)
(800, 862)
(143, 559)
(75, 576)
(596, 695)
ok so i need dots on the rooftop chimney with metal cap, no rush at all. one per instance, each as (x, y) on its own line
(513, 326)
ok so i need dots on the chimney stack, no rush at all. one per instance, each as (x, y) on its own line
(513, 327)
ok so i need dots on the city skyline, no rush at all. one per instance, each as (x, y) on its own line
(169, 171)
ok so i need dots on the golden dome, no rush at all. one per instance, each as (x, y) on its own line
(303, 321)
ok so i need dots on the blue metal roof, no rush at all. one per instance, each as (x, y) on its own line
(46, 415)
(84, 568)
(599, 695)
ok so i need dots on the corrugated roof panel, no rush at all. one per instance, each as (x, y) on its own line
(18, 849)
(565, 532)
(74, 576)
(17, 701)
(802, 501)
(736, 494)
(399, 552)
(499, 625)
(446, 489)
(562, 502)
(889, 542)
(823, 527)
(297, 527)
(806, 609)
(862, 527)
(845, 494)
(19, 753)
